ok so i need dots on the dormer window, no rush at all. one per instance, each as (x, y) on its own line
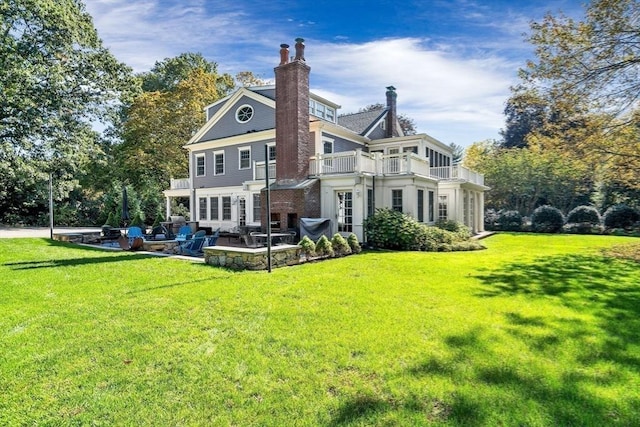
(321, 110)
(244, 113)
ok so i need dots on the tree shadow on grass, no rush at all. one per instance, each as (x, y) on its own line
(605, 296)
(69, 262)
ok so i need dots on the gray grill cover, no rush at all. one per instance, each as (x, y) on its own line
(315, 227)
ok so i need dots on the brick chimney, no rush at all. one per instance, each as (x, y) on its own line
(292, 117)
(392, 115)
(294, 195)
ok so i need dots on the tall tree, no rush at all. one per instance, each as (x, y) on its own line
(247, 78)
(595, 62)
(160, 122)
(56, 81)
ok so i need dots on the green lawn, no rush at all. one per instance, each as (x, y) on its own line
(537, 330)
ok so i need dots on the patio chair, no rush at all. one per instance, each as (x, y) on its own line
(133, 233)
(184, 233)
(193, 246)
(130, 244)
(213, 239)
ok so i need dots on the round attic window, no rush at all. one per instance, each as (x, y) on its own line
(244, 113)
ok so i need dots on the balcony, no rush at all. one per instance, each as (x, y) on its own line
(179, 184)
(350, 162)
(457, 173)
(259, 171)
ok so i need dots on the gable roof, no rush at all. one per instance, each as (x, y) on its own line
(229, 102)
(362, 122)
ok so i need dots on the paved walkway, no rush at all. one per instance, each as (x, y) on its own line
(16, 232)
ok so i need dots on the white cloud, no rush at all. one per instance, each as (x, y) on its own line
(438, 90)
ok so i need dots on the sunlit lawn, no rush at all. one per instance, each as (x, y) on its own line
(536, 330)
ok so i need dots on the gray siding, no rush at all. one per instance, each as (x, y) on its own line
(341, 144)
(377, 133)
(232, 175)
(212, 110)
(264, 117)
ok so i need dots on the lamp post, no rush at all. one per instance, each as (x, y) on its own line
(268, 193)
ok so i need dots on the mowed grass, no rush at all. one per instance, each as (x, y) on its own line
(537, 330)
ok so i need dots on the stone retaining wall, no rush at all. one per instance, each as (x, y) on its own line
(251, 259)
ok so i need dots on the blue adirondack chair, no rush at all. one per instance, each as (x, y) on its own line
(193, 246)
(184, 233)
(212, 240)
(132, 233)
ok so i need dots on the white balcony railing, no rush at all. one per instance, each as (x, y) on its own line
(180, 184)
(259, 170)
(457, 173)
(392, 164)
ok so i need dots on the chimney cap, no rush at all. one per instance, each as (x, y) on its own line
(284, 46)
(391, 88)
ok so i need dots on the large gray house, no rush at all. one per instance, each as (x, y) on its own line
(321, 165)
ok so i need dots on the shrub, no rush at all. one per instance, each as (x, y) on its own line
(308, 246)
(137, 220)
(340, 245)
(491, 219)
(509, 221)
(547, 219)
(584, 215)
(393, 230)
(159, 219)
(582, 228)
(324, 247)
(620, 216)
(388, 229)
(111, 221)
(354, 244)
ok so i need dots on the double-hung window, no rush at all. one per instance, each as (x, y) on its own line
(244, 158)
(226, 208)
(200, 168)
(214, 208)
(396, 200)
(218, 162)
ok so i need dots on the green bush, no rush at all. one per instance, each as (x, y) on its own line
(620, 216)
(393, 230)
(323, 247)
(138, 221)
(584, 215)
(159, 219)
(389, 229)
(547, 219)
(509, 221)
(308, 246)
(354, 244)
(491, 219)
(111, 221)
(340, 245)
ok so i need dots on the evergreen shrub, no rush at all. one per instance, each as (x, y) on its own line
(620, 216)
(547, 219)
(509, 221)
(354, 244)
(340, 245)
(324, 247)
(584, 214)
(308, 246)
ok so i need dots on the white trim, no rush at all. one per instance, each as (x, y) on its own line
(253, 111)
(224, 167)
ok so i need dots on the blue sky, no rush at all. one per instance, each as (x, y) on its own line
(452, 62)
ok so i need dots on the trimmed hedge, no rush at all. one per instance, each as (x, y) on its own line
(620, 216)
(547, 219)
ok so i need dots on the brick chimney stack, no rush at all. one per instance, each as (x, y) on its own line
(392, 115)
(292, 117)
(293, 195)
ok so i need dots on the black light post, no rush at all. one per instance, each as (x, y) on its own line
(268, 193)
